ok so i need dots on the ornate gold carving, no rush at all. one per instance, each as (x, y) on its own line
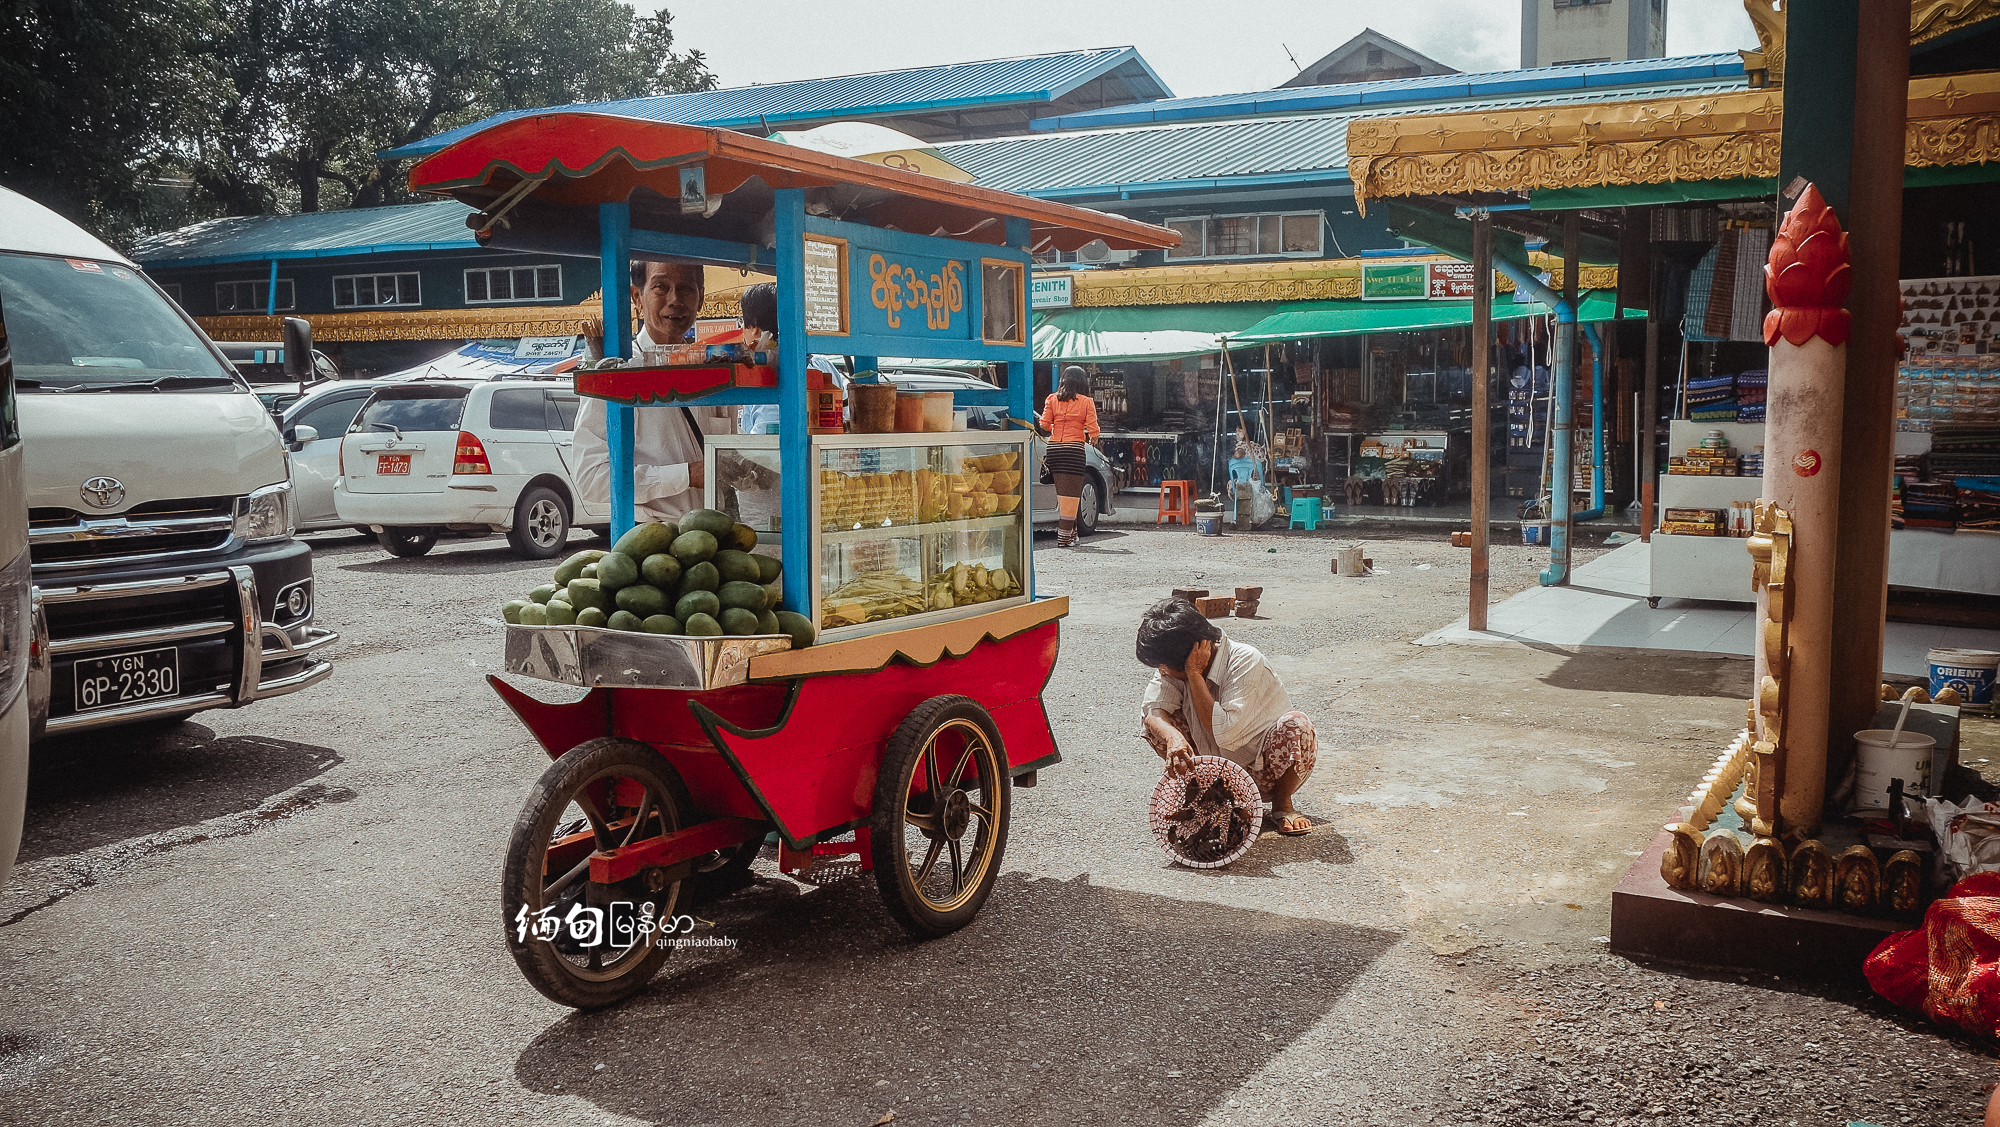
(1857, 879)
(1764, 871)
(1768, 18)
(422, 324)
(1932, 18)
(1720, 869)
(1812, 875)
(1683, 854)
(1952, 120)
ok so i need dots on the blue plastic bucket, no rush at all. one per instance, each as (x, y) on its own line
(1208, 526)
(1971, 672)
(1534, 532)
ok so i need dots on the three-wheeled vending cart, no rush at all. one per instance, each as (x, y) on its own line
(910, 719)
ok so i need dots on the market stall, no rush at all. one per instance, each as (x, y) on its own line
(898, 699)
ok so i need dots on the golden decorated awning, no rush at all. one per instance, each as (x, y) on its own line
(1334, 279)
(1954, 120)
(417, 324)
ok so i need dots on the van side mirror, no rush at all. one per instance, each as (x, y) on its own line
(298, 350)
(302, 435)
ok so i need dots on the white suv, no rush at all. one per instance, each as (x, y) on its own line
(465, 455)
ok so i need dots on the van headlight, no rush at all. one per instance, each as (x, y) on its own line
(265, 514)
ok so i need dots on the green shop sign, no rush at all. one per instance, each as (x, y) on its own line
(1403, 282)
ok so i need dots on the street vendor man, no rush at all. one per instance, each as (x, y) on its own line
(667, 441)
(1211, 695)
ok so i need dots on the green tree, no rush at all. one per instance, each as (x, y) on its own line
(131, 115)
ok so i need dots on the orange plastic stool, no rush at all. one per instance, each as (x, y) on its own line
(1176, 502)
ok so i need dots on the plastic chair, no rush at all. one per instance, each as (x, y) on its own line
(1306, 511)
(1176, 503)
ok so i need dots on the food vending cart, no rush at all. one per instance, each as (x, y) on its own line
(899, 734)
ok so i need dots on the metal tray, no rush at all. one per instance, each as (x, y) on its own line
(591, 656)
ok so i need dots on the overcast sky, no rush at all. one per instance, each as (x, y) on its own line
(1205, 48)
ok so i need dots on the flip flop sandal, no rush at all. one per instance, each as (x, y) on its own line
(1277, 822)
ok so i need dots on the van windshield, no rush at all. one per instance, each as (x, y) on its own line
(84, 325)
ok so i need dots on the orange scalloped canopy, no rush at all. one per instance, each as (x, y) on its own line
(584, 159)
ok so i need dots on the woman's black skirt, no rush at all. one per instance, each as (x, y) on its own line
(1066, 464)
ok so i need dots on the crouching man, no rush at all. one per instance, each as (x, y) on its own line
(1213, 696)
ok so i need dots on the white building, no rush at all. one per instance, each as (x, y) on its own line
(1556, 32)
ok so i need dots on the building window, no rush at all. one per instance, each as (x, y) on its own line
(252, 297)
(1276, 235)
(368, 291)
(515, 283)
(1374, 57)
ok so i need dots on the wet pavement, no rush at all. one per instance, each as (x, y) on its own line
(289, 913)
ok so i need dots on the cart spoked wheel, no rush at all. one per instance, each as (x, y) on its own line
(583, 944)
(940, 820)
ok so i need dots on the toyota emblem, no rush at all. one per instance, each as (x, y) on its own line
(104, 492)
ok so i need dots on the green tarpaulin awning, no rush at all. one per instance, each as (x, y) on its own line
(1742, 188)
(1142, 332)
(1306, 319)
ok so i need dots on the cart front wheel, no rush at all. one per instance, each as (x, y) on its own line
(584, 944)
(940, 821)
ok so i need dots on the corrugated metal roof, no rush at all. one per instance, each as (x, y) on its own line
(1401, 91)
(316, 234)
(1238, 153)
(1032, 78)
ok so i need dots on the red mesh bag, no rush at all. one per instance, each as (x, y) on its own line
(1949, 969)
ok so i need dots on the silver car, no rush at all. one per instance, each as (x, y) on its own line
(326, 411)
(1096, 500)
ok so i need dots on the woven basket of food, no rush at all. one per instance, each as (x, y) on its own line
(1210, 817)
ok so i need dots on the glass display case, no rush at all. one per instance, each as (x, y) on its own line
(907, 528)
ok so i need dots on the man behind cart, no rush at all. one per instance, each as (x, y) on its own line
(667, 442)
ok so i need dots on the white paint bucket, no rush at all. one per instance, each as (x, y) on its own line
(1971, 672)
(1347, 558)
(1876, 763)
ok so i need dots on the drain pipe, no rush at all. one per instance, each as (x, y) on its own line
(1562, 381)
(1597, 426)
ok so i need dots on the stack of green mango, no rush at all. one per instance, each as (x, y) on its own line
(696, 579)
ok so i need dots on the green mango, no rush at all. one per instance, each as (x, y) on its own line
(749, 596)
(702, 626)
(700, 577)
(712, 521)
(799, 627)
(559, 613)
(585, 594)
(572, 568)
(661, 624)
(768, 568)
(739, 622)
(697, 603)
(592, 616)
(734, 565)
(693, 547)
(624, 620)
(643, 540)
(534, 614)
(767, 623)
(661, 569)
(642, 599)
(617, 570)
(541, 594)
(742, 537)
(512, 610)
(771, 596)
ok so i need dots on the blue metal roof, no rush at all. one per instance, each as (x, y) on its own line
(1402, 91)
(314, 234)
(1241, 153)
(994, 82)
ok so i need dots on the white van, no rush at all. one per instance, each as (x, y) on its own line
(13, 620)
(166, 579)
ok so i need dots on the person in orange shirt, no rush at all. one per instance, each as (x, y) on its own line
(1069, 418)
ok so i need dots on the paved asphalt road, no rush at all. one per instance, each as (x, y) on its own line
(289, 914)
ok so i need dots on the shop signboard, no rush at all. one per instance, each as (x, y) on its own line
(1451, 281)
(1408, 281)
(826, 285)
(911, 295)
(1051, 291)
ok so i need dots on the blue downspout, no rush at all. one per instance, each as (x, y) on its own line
(1596, 509)
(1563, 381)
(271, 292)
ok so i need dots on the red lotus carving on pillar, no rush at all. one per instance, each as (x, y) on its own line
(1808, 275)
